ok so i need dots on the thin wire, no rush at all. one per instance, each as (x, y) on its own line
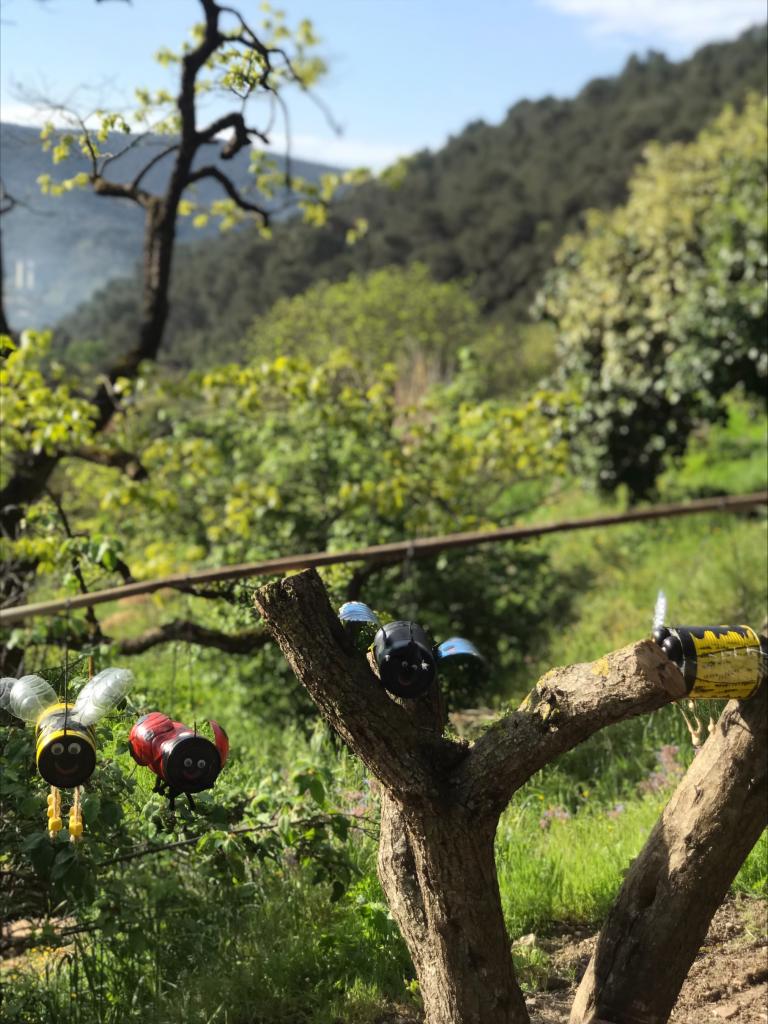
(408, 575)
(190, 687)
(67, 622)
(173, 674)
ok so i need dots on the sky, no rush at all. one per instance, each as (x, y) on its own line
(404, 74)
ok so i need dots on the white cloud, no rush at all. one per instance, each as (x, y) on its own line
(690, 22)
(21, 113)
(340, 151)
(35, 115)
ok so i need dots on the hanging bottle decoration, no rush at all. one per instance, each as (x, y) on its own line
(65, 741)
(183, 760)
(407, 659)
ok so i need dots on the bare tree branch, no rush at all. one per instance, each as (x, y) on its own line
(407, 754)
(116, 190)
(229, 187)
(241, 136)
(115, 458)
(565, 707)
(317, 820)
(150, 163)
(245, 642)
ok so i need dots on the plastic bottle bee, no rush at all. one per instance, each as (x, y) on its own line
(182, 759)
(407, 659)
(65, 742)
(717, 662)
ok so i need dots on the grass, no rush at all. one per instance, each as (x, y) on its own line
(571, 869)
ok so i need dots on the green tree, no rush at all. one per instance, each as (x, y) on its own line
(660, 306)
(228, 58)
(399, 315)
(488, 208)
(404, 315)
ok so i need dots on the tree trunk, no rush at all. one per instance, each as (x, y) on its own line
(439, 876)
(674, 887)
(5, 327)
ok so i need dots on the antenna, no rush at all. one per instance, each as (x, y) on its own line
(660, 610)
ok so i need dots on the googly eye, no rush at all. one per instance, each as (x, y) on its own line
(57, 748)
(74, 748)
(201, 763)
(187, 762)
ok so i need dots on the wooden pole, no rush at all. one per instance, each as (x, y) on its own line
(394, 552)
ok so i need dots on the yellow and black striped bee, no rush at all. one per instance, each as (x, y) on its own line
(717, 662)
(65, 742)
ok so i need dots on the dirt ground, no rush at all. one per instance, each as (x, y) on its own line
(728, 980)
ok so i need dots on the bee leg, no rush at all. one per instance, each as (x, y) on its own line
(75, 817)
(159, 785)
(191, 802)
(172, 794)
(54, 812)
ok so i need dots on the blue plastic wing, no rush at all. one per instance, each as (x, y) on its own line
(356, 611)
(455, 647)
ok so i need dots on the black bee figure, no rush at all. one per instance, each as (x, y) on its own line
(407, 659)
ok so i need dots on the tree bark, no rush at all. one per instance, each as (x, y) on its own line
(442, 799)
(674, 887)
(439, 876)
(5, 327)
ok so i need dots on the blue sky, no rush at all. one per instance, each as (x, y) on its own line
(404, 74)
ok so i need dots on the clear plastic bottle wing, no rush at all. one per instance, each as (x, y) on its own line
(30, 696)
(101, 694)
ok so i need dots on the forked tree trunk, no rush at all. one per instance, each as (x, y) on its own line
(678, 881)
(441, 799)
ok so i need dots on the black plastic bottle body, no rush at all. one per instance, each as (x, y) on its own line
(405, 657)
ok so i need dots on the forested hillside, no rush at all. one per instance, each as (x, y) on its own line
(488, 208)
(59, 249)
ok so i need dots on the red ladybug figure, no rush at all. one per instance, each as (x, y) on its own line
(182, 759)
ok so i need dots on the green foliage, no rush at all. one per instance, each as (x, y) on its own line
(726, 456)
(255, 461)
(661, 306)
(391, 315)
(569, 870)
(41, 412)
(257, 893)
(567, 839)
